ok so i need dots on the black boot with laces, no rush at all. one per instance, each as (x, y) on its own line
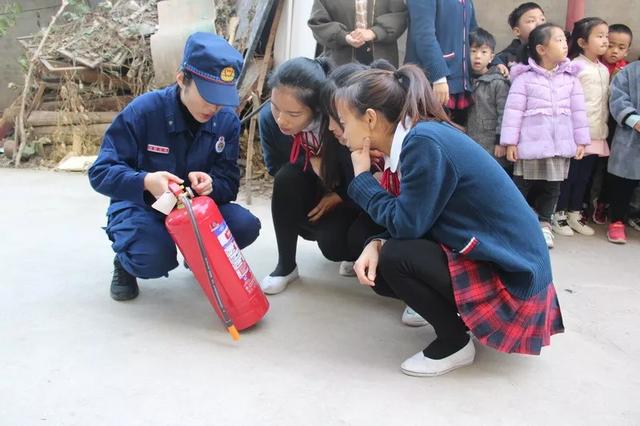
(124, 286)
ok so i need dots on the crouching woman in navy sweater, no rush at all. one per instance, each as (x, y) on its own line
(462, 248)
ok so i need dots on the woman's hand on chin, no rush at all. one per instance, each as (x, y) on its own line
(361, 158)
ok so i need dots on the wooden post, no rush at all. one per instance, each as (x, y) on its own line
(575, 12)
(268, 51)
(252, 134)
(264, 68)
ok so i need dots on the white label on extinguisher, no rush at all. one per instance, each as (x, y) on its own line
(235, 256)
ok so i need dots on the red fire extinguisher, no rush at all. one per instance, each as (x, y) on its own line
(205, 241)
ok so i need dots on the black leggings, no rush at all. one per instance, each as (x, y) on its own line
(573, 189)
(295, 193)
(417, 272)
(620, 194)
(547, 194)
(360, 232)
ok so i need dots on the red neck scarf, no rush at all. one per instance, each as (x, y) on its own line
(390, 182)
(309, 144)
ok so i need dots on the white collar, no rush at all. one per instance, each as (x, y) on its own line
(392, 161)
(313, 127)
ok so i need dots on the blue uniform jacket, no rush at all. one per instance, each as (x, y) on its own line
(454, 193)
(150, 135)
(438, 40)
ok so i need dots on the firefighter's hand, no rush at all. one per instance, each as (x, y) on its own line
(326, 204)
(201, 183)
(367, 264)
(512, 153)
(157, 183)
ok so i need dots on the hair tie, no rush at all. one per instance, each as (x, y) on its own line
(398, 76)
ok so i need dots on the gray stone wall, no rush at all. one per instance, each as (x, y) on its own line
(35, 14)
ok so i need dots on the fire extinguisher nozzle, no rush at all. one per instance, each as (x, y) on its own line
(234, 332)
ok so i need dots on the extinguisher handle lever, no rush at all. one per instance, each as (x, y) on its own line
(175, 188)
(178, 190)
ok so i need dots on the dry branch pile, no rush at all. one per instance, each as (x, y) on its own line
(93, 63)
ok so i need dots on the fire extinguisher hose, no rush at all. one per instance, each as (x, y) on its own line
(225, 315)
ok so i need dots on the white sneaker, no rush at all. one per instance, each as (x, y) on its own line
(578, 224)
(421, 366)
(634, 222)
(412, 318)
(547, 234)
(559, 224)
(275, 285)
(346, 269)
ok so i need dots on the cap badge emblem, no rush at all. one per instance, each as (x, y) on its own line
(228, 74)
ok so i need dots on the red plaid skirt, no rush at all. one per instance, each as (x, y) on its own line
(497, 318)
(460, 101)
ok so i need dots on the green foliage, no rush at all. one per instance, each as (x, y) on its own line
(24, 63)
(76, 10)
(8, 15)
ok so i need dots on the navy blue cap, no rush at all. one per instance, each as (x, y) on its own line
(215, 66)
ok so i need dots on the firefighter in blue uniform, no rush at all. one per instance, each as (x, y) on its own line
(187, 132)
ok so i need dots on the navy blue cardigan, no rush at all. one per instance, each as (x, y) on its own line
(437, 40)
(453, 192)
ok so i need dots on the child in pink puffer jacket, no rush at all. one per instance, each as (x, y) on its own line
(545, 120)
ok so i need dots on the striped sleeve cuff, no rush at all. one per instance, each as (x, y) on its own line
(632, 120)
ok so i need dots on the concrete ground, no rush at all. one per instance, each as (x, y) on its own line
(328, 352)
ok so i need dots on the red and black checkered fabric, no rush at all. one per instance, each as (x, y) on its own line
(497, 318)
(460, 101)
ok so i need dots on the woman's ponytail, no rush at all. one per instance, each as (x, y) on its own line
(397, 94)
(326, 64)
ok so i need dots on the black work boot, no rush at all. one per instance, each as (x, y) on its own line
(124, 286)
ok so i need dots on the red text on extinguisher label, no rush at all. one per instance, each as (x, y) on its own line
(235, 256)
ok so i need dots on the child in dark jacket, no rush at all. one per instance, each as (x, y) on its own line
(620, 38)
(490, 91)
(522, 21)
